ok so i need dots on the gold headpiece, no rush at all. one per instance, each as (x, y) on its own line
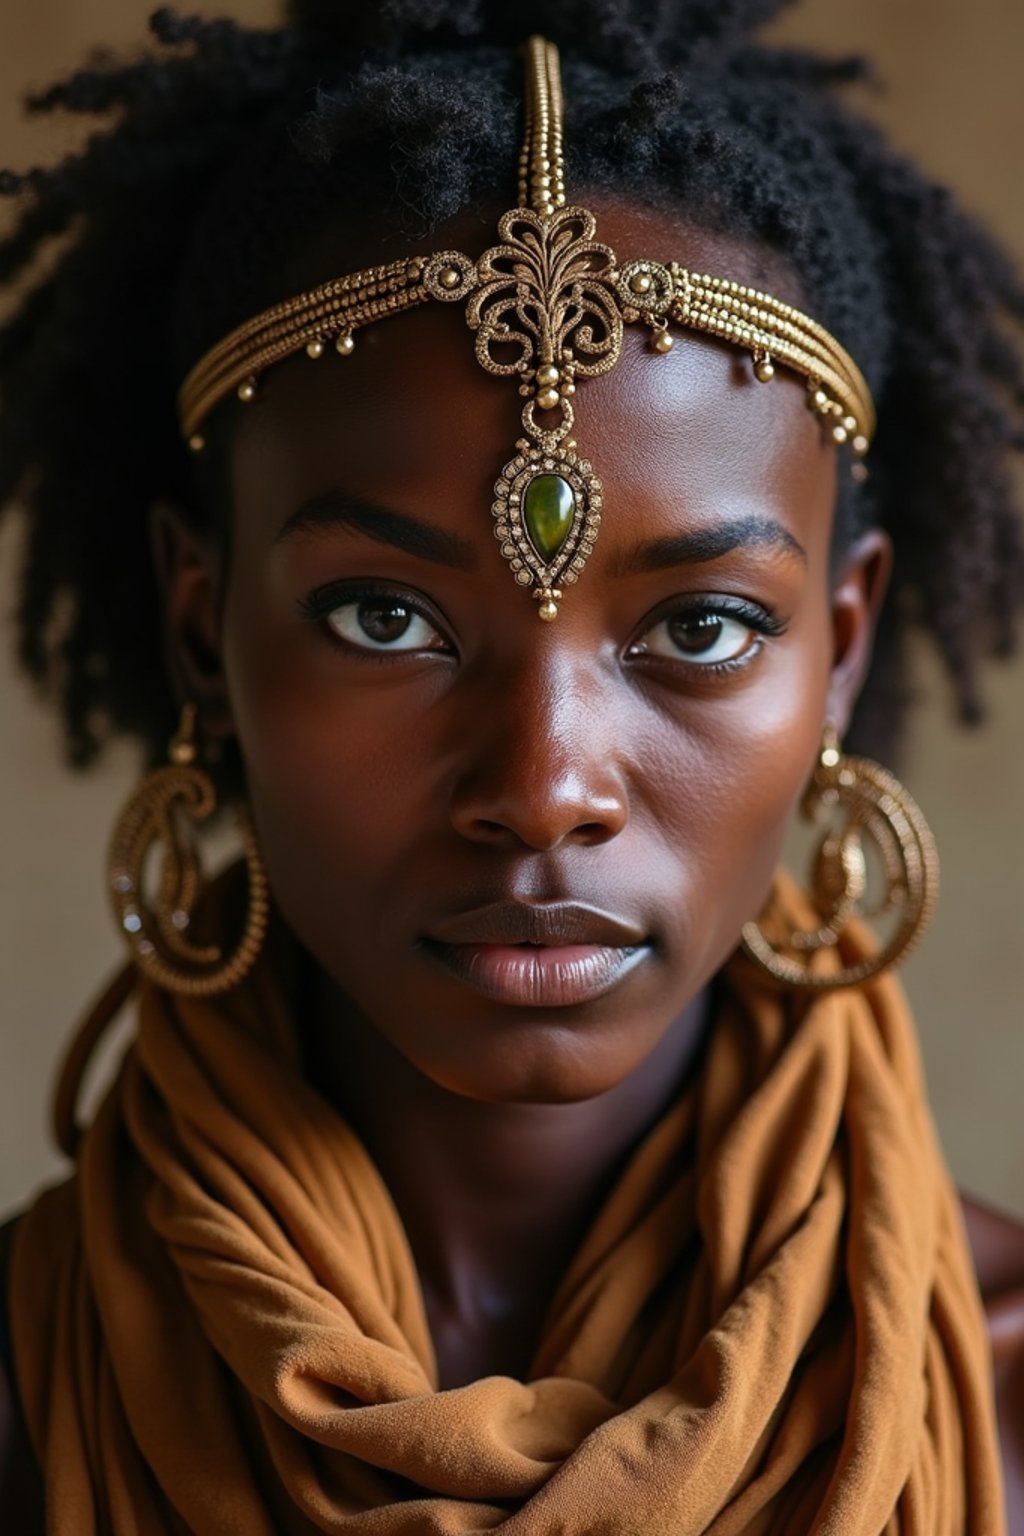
(560, 298)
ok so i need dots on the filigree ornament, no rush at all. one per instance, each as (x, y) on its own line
(149, 822)
(547, 296)
(549, 290)
(873, 804)
(449, 276)
(649, 291)
(157, 930)
(547, 511)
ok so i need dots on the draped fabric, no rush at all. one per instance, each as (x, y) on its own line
(772, 1327)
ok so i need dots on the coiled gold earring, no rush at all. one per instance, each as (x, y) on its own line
(157, 932)
(876, 803)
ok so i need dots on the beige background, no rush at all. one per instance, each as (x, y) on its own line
(957, 104)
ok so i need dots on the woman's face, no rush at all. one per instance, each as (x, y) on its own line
(520, 848)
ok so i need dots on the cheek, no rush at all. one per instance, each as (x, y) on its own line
(732, 776)
(335, 771)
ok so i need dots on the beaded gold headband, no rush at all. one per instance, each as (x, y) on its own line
(559, 298)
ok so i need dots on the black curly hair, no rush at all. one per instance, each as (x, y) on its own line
(219, 153)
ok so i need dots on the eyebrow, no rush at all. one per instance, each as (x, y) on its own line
(337, 509)
(704, 544)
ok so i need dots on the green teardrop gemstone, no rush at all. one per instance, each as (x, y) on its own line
(548, 509)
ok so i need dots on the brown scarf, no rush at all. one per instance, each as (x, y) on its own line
(773, 1326)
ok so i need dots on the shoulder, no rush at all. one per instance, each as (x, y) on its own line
(997, 1243)
(21, 1497)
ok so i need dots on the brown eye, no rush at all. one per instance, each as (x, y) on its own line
(702, 638)
(698, 634)
(383, 623)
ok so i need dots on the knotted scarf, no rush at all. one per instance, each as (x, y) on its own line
(771, 1328)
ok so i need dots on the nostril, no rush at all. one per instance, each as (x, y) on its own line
(491, 831)
(586, 834)
(589, 832)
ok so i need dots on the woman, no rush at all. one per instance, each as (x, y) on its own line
(531, 1158)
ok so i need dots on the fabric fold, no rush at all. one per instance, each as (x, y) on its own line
(771, 1328)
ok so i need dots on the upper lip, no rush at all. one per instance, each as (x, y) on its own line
(552, 923)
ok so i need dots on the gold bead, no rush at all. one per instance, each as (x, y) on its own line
(247, 390)
(764, 370)
(197, 442)
(450, 277)
(181, 753)
(819, 399)
(315, 349)
(182, 748)
(568, 388)
(641, 282)
(548, 399)
(839, 434)
(664, 341)
(850, 423)
(548, 374)
(547, 611)
(344, 344)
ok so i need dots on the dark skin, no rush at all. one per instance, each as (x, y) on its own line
(420, 749)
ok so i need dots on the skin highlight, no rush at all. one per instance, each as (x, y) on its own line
(402, 795)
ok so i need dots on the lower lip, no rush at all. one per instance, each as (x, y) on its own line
(542, 977)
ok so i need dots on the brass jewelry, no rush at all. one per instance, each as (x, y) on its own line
(548, 306)
(156, 933)
(876, 803)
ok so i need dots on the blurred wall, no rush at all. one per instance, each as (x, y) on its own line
(956, 104)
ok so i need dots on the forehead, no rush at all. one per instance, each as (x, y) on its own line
(411, 420)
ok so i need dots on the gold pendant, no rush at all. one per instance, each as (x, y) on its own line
(547, 512)
(545, 309)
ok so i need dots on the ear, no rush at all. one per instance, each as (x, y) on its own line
(189, 571)
(856, 603)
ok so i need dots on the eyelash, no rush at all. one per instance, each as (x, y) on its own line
(764, 623)
(321, 603)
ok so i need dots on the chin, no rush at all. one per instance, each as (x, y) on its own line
(539, 1063)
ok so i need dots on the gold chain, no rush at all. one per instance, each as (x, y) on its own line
(329, 313)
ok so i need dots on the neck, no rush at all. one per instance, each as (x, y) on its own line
(495, 1198)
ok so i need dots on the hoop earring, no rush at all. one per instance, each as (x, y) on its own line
(878, 804)
(156, 933)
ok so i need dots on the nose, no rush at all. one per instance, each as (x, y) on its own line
(538, 764)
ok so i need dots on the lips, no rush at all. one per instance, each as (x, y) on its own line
(553, 923)
(553, 954)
